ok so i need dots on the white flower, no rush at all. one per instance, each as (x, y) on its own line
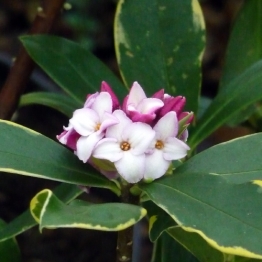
(91, 122)
(165, 147)
(125, 145)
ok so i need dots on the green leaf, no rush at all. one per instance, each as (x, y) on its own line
(240, 93)
(26, 152)
(9, 250)
(66, 192)
(240, 56)
(63, 103)
(245, 259)
(196, 245)
(167, 250)
(160, 45)
(160, 222)
(237, 161)
(50, 212)
(227, 216)
(76, 70)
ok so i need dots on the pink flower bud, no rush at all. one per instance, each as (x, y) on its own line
(172, 104)
(159, 94)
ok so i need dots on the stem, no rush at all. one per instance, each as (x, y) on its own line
(125, 237)
(23, 65)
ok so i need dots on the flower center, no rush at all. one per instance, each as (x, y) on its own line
(97, 127)
(159, 144)
(125, 146)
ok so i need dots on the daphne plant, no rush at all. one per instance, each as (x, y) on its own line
(136, 137)
(141, 143)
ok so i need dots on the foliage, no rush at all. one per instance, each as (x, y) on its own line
(211, 203)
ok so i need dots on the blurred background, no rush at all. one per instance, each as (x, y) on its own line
(90, 23)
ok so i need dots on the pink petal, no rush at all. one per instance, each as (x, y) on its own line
(84, 121)
(108, 148)
(131, 167)
(167, 126)
(174, 149)
(172, 104)
(159, 94)
(178, 107)
(103, 103)
(72, 140)
(156, 166)
(144, 118)
(85, 146)
(139, 135)
(136, 94)
(68, 137)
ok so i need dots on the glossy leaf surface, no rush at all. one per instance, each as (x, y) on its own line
(160, 222)
(237, 161)
(63, 103)
(66, 192)
(240, 93)
(26, 152)
(166, 250)
(71, 66)
(198, 201)
(160, 45)
(239, 57)
(50, 212)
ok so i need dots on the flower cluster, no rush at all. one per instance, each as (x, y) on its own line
(137, 140)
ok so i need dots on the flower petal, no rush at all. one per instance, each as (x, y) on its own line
(172, 104)
(108, 148)
(159, 94)
(149, 105)
(131, 167)
(85, 146)
(136, 95)
(107, 121)
(90, 100)
(138, 117)
(174, 149)
(84, 121)
(105, 87)
(139, 135)
(103, 103)
(167, 126)
(156, 166)
(116, 131)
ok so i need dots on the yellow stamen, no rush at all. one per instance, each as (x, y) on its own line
(159, 144)
(125, 146)
(97, 127)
